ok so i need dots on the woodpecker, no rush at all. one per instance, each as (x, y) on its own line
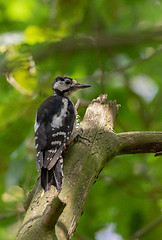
(55, 122)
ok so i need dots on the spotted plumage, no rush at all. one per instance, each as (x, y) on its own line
(55, 121)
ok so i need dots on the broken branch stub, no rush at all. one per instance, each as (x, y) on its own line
(101, 113)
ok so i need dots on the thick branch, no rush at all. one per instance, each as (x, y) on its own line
(139, 142)
(52, 213)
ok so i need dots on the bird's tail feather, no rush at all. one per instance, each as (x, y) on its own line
(53, 176)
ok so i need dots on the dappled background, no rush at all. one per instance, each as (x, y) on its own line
(116, 46)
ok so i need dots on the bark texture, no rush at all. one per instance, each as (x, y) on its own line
(52, 216)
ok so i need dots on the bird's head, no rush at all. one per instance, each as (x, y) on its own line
(65, 86)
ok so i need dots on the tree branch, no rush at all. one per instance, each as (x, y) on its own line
(10, 214)
(52, 213)
(139, 142)
(103, 42)
(81, 237)
(82, 164)
(146, 229)
(17, 86)
(30, 195)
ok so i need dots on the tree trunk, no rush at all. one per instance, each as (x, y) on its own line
(52, 216)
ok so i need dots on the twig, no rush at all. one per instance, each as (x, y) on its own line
(146, 229)
(77, 105)
(12, 214)
(29, 197)
(84, 138)
(124, 68)
(17, 86)
(81, 237)
(134, 62)
(158, 154)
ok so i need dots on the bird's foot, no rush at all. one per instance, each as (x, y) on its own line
(78, 134)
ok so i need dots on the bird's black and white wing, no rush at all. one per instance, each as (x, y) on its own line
(54, 124)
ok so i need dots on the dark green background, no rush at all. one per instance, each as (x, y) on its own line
(116, 47)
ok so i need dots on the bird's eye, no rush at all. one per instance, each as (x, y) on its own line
(67, 81)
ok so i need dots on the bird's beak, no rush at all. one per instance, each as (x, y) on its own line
(80, 86)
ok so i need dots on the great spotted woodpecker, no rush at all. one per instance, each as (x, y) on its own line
(55, 122)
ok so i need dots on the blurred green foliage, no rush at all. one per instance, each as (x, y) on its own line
(116, 47)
